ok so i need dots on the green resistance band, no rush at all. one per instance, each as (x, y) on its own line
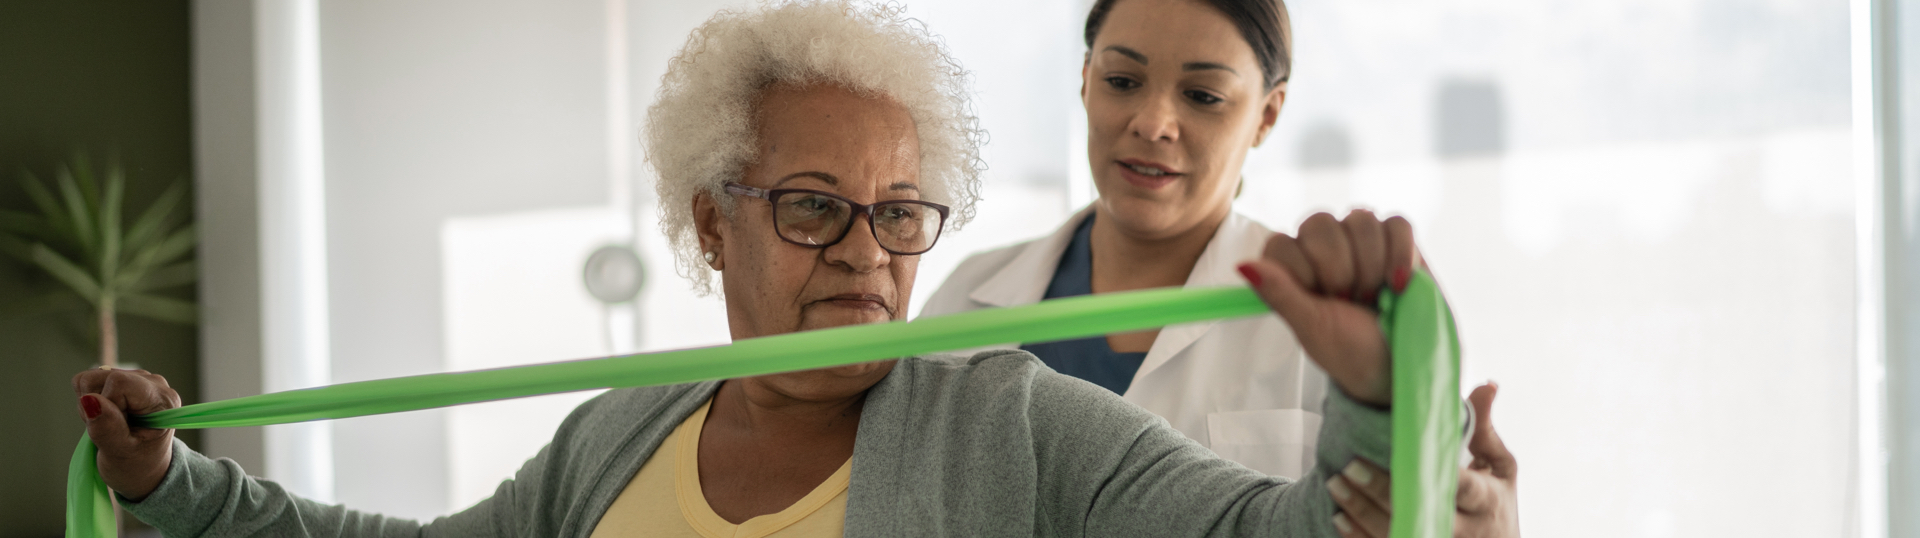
(90, 512)
(1426, 409)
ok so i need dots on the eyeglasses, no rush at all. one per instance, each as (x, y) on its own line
(817, 219)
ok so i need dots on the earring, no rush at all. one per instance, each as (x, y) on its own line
(710, 256)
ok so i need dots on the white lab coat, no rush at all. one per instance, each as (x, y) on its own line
(1243, 387)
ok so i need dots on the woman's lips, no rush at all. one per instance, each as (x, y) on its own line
(858, 301)
(1145, 181)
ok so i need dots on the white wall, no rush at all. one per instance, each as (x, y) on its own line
(1652, 252)
(435, 110)
(512, 296)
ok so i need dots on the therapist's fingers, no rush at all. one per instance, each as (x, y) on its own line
(1487, 502)
(1369, 240)
(1285, 250)
(1403, 256)
(1330, 252)
(1488, 450)
(1477, 493)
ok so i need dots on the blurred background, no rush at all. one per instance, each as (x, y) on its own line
(1684, 235)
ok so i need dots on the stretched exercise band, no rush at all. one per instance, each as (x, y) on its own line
(1425, 412)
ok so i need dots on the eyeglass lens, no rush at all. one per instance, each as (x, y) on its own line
(813, 219)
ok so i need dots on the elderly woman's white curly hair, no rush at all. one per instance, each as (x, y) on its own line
(700, 130)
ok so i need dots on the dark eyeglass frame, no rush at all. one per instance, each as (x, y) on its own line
(773, 195)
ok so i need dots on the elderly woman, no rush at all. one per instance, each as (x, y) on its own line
(807, 153)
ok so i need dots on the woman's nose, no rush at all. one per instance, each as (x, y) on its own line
(859, 251)
(1156, 122)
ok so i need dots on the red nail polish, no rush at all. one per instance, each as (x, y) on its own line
(90, 405)
(1399, 279)
(1253, 277)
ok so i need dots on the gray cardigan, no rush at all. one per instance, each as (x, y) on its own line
(992, 445)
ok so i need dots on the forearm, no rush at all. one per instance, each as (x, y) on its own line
(1150, 480)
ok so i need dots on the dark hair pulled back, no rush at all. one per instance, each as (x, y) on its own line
(1263, 23)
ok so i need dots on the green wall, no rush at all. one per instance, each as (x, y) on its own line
(112, 78)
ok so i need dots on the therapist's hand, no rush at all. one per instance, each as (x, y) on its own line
(1324, 284)
(1486, 502)
(131, 460)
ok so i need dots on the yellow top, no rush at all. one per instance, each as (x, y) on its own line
(664, 499)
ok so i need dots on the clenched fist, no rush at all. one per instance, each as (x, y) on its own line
(132, 460)
(1325, 283)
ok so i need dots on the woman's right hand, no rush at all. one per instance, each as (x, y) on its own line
(132, 460)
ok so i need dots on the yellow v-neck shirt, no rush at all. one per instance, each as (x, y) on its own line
(664, 499)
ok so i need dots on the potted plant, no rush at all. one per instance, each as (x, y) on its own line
(81, 239)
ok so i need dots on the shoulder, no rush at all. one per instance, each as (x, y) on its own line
(1004, 378)
(993, 368)
(988, 379)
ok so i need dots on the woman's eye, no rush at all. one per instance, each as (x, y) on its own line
(1203, 97)
(1122, 83)
(809, 206)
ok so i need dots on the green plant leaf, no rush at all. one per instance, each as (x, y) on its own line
(68, 272)
(109, 223)
(160, 308)
(55, 218)
(79, 213)
(178, 274)
(174, 246)
(148, 227)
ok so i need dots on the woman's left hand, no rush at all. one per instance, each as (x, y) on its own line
(1325, 283)
(1486, 504)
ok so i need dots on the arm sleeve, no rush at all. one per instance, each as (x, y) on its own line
(1140, 477)
(201, 496)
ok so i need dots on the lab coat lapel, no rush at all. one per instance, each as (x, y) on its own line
(1024, 280)
(1237, 239)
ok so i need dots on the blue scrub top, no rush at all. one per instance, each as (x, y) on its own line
(1087, 358)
